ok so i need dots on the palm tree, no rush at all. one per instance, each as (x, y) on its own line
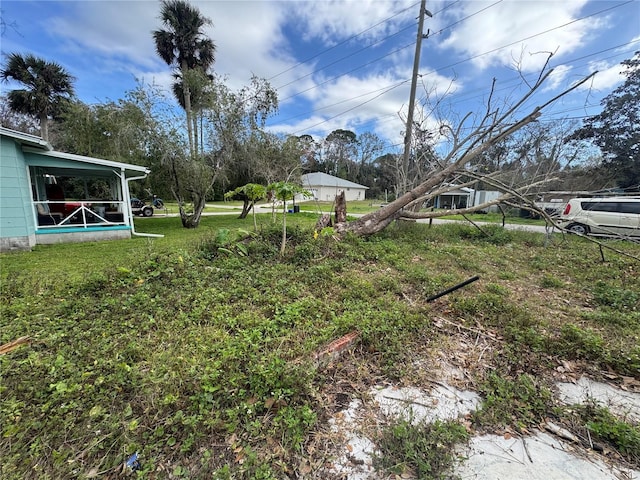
(184, 46)
(198, 80)
(48, 87)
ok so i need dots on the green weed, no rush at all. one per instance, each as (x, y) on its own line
(615, 297)
(521, 401)
(605, 427)
(549, 281)
(423, 450)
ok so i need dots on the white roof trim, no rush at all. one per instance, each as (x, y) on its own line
(26, 138)
(92, 160)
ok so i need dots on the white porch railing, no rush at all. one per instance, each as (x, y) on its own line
(79, 214)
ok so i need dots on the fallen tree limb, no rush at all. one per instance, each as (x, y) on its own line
(9, 347)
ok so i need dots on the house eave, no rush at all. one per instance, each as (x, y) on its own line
(90, 160)
(27, 139)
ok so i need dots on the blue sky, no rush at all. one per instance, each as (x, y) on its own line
(347, 64)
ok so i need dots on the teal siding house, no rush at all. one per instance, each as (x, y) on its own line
(52, 197)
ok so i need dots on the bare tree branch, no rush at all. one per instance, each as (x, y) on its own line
(494, 127)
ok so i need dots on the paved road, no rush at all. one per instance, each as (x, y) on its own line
(508, 226)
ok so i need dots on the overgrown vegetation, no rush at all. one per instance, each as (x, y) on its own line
(196, 350)
(521, 401)
(423, 450)
(606, 427)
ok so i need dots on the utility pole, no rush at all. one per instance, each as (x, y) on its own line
(412, 95)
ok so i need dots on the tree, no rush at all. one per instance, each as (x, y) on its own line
(233, 124)
(340, 152)
(184, 46)
(286, 161)
(249, 194)
(369, 147)
(48, 88)
(199, 83)
(234, 129)
(309, 156)
(285, 191)
(15, 120)
(452, 170)
(116, 131)
(616, 130)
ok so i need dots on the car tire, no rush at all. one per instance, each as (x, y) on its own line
(147, 212)
(578, 228)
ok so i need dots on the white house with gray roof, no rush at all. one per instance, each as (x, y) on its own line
(325, 187)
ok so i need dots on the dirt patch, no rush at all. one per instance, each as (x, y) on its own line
(624, 404)
(538, 456)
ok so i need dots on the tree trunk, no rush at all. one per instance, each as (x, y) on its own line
(192, 220)
(284, 228)
(493, 128)
(323, 222)
(246, 208)
(378, 220)
(341, 208)
(44, 126)
(187, 106)
(195, 133)
(255, 221)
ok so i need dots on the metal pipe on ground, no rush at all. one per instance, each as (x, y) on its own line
(452, 289)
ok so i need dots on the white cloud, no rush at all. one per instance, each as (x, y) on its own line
(377, 102)
(115, 30)
(557, 77)
(247, 35)
(518, 26)
(105, 43)
(333, 21)
(607, 78)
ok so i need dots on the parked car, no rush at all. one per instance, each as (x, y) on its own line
(138, 207)
(602, 216)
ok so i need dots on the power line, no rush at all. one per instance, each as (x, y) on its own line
(387, 89)
(490, 51)
(357, 35)
(345, 101)
(343, 42)
(465, 18)
(350, 109)
(348, 72)
(348, 56)
(531, 36)
(377, 58)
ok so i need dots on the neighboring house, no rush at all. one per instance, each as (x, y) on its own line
(482, 196)
(459, 198)
(325, 187)
(52, 197)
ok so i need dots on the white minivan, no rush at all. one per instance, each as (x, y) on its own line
(602, 216)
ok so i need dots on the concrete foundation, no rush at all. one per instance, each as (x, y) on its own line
(15, 244)
(85, 235)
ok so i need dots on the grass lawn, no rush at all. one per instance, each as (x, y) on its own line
(196, 350)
